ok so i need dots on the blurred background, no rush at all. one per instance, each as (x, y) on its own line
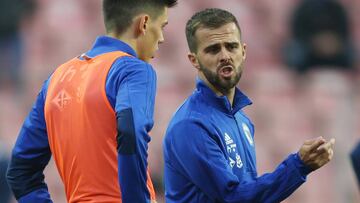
(302, 73)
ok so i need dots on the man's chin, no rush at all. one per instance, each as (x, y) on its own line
(229, 83)
(146, 59)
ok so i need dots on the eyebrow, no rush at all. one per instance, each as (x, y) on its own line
(233, 42)
(218, 44)
(211, 46)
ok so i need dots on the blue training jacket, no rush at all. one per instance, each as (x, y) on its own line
(209, 154)
(131, 83)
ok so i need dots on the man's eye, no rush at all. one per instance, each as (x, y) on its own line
(212, 50)
(232, 46)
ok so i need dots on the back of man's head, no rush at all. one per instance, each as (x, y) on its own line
(212, 18)
(118, 14)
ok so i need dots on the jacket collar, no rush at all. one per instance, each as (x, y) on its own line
(105, 44)
(222, 103)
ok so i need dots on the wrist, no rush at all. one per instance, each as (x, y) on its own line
(303, 168)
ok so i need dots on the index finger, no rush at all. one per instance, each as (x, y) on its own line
(316, 144)
(327, 145)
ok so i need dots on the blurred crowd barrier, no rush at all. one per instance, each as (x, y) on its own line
(289, 106)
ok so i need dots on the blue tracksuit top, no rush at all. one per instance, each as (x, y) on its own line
(130, 83)
(209, 154)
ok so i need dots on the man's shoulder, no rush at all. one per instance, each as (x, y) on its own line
(130, 64)
(131, 60)
(191, 112)
(193, 107)
(128, 67)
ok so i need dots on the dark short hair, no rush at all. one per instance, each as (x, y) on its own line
(212, 18)
(118, 14)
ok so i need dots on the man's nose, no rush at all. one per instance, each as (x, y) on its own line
(224, 56)
(161, 39)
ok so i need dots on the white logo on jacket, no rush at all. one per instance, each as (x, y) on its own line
(231, 149)
(247, 134)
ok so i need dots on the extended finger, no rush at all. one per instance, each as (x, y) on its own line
(331, 153)
(327, 145)
(323, 152)
(316, 144)
(311, 141)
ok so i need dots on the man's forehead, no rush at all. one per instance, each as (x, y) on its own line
(225, 33)
(161, 17)
(164, 16)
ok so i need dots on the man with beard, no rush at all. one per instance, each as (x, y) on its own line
(209, 148)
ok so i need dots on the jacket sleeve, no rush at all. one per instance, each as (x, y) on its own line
(134, 110)
(30, 155)
(355, 160)
(199, 154)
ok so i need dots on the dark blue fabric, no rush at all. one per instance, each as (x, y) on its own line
(4, 188)
(26, 175)
(355, 159)
(209, 154)
(131, 83)
(126, 138)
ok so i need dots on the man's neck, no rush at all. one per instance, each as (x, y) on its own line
(125, 38)
(230, 94)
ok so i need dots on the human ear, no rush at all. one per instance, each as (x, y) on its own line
(143, 24)
(193, 60)
(244, 51)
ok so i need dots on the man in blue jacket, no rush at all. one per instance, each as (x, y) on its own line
(209, 149)
(99, 160)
